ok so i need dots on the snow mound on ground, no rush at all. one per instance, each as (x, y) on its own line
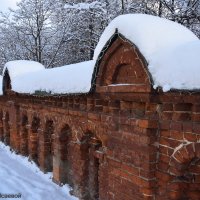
(156, 38)
(20, 176)
(20, 67)
(74, 78)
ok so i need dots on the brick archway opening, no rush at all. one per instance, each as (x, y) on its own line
(1, 127)
(24, 136)
(6, 83)
(64, 139)
(93, 169)
(90, 147)
(33, 147)
(7, 129)
(61, 160)
(48, 145)
(185, 172)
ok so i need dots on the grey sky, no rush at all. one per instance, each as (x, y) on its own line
(5, 4)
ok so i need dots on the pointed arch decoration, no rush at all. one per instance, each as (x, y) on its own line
(121, 67)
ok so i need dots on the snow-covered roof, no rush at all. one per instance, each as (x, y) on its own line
(177, 68)
(20, 67)
(74, 78)
(169, 48)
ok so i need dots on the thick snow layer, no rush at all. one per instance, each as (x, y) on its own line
(149, 33)
(166, 45)
(75, 78)
(19, 176)
(1, 85)
(170, 49)
(177, 67)
(19, 67)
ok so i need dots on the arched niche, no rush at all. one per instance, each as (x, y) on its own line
(93, 168)
(62, 156)
(91, 147)
(185, 172)
(48, 145)
(1, 126)
(24, 135)
(6, 83)
(33, 139)
(121, 68)
(64, 140)
(7, 129)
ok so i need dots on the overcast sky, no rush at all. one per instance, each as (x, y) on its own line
(5, 4)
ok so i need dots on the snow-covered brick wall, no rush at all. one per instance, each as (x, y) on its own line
(74, 78)
(169, 48)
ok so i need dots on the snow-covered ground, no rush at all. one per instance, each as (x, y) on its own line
(19, 176)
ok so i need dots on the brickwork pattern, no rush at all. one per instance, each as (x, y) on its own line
(120, 142)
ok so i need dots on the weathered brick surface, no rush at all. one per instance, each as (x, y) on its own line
(125, 142)
(178, 168)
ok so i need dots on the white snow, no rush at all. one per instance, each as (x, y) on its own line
(169, 48)
(177, 67)
(20, 67)
(19, 176)
(74, 78)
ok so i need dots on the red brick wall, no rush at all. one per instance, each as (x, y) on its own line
(179, 148)
(118, 143)
(104, 151)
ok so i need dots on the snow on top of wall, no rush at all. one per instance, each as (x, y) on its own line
(149, 33)
(20, 67)
(177, 67)
(74, 78)
(156, 38)
(170, 49)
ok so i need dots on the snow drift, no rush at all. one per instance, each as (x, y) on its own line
(20, 176)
